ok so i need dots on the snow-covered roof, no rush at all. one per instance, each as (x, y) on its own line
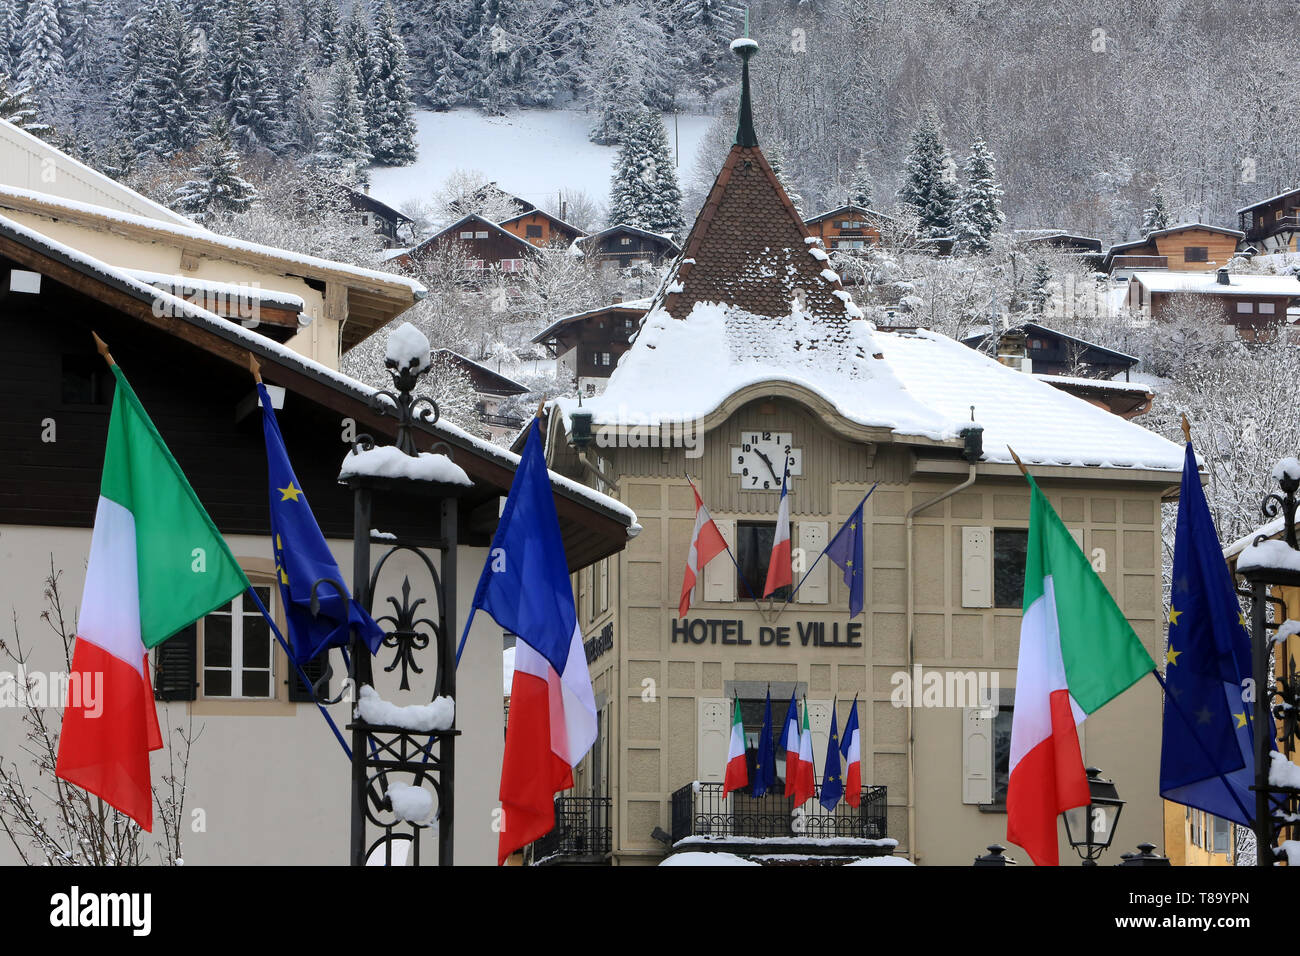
(284, 355)
(632, 305)
(28, 196)
(848, 207)
(1208, 283)
(546, 215)
(666, 237)
(186, 285)
(27, 160)
(922, 385)
(1094, 383)
(1265, 202)
(476, 218)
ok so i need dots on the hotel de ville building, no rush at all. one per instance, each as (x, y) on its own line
(753, 358)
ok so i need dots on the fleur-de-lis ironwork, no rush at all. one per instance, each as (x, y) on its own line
(405, 636)
(1284, 504)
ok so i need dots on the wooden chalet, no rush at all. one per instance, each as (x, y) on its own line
(541, 228)
(1085, 248)
(1273, 225)
(491, 389)
(1255, 305)
(392, 226)
(1036, 348)
(587, 345)
(623, 247)
(1187, 247)
(848, 228)
(487, 246)
(491, 192)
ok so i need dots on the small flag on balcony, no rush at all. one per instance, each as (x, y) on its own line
(832, 781)
(790, 741)
(779, 570)
(737, 775)
(851, 751)
(765, 762)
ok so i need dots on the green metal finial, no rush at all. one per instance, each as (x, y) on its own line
(745, 48)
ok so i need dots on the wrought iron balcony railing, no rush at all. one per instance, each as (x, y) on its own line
(582, 831)
(702, 809)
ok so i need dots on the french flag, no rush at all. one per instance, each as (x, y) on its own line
(851, 754)
(525, 587)
(790, 741)
(779, 572)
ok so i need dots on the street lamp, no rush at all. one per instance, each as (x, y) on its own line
(1091, 829)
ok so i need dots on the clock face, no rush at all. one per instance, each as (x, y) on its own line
(760, 459)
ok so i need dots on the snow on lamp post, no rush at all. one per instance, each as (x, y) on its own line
(1268, 565)
(403, 757)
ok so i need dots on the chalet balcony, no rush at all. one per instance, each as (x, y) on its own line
(1139, 262)
(503, 421)
(703, 810)
(581, 835)
(1267, 230)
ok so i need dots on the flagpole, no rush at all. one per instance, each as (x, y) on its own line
(298, 667)
(820, 556)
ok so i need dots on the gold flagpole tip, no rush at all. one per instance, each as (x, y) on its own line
(255, 368)
(103, 349)
(1019, 464)
(541, 407)
(1187, 429)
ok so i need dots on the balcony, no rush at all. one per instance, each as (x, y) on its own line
(1266, 230)
(1120, 263)
(703, 810)
(581, 834)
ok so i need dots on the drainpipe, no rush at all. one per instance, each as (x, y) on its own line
(974, 449)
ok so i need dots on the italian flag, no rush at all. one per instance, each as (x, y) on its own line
(737, 773)
(805, 779)
(1077, 652)
(157, 563)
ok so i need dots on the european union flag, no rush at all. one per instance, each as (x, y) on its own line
(302, 558)
(845, 550)
(832, 778)
(1206, 753)
(765, 761)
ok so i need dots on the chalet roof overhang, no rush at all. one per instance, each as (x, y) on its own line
(1043, 330)
(615, 309)
(591, 530)
(373, 299)
(850, 208)
(524, 244)
(1269, 201)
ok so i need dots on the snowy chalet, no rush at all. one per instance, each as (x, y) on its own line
(541, 228)
(622, 247)
(753, 357)
(487, 247)
(848, 228)
(1186, 247)
(1273, 225)
(1256, 305)
(587, 345)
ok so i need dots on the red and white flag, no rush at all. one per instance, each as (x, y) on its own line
(790, 741)
(706, 544)
(779, 572)
(851, 754)
(737, 775)
(805, 781)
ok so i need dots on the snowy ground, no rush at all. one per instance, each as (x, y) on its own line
(529, 153)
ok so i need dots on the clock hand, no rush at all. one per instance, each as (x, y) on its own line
(768, 462)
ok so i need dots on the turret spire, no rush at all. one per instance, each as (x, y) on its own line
(745, 47)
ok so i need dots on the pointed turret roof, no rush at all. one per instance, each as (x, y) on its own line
(749, 247)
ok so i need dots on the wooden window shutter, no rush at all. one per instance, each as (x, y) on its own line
(812, 541)
(175, 669)
(977, 755)
(315, 669)
(714, 738)
(720, 573)
(976, 567)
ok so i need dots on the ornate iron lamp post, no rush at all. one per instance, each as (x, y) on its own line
(1266, 566)
(384, 754)
(1091, 829)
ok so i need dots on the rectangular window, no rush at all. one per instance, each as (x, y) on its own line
(1196, 254)
(1001, 754)
(604, 358)
(467, 235)
(237, 649)
(481, 234)
(1009, 547)
(1245, 308)
(512, 265)
(1266, 308)
(625, 241)
(753, 551)
(1222, 835)
(533, 232)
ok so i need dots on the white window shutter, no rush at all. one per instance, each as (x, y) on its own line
(976, 567)
(1077, 535)
(720, 573)
(603, 589)
(714, 739)
(812, 541)
(977, 755)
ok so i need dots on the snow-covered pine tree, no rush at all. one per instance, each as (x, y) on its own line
(341, 143)
(390, 121)
(861, 185)
(1039, 291)
(240, 80)
(329, 34)
(165, 99)
(16, 106)
(644, 191)
(708, 27)
(979, 208)
(11, 25)
(217, 187)
(1156, 216)
(930, 183)
(40, 62)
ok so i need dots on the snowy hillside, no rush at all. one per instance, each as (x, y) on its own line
(532, 154)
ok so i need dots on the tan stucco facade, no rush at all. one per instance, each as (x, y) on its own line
(661, 696)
